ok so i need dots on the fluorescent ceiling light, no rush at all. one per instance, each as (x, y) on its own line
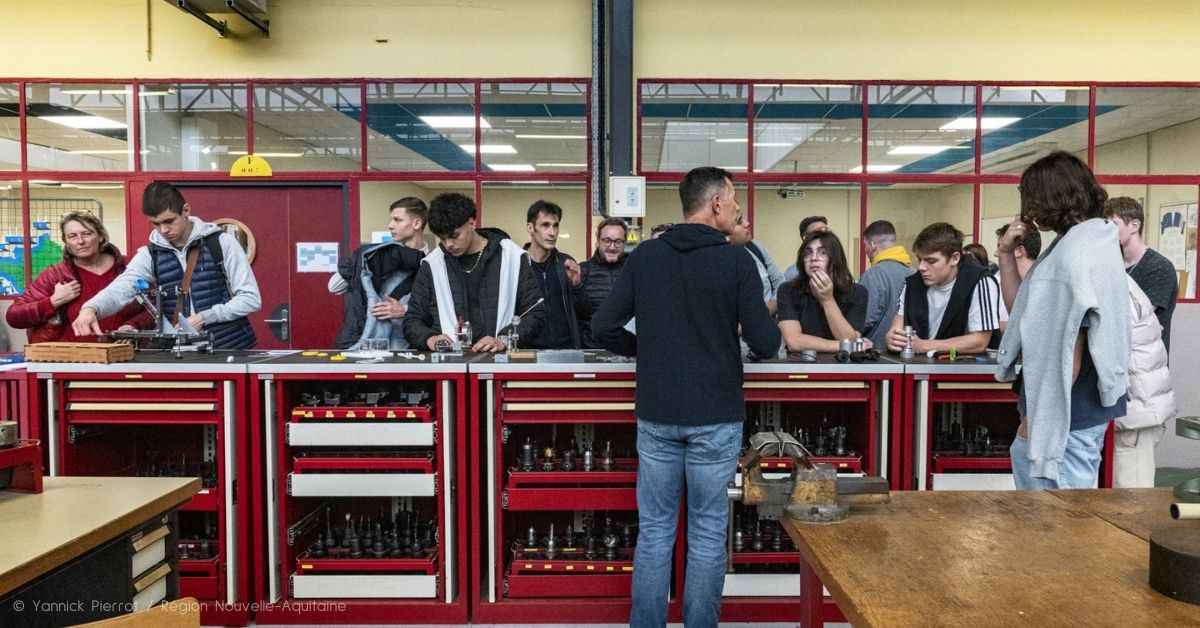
(877, 168)
(774, 144)
(242, 152)
(492, 149)
(1044, 88)
(539, 136)
(732, 140)
(114, 151)
(921, 150)
(987, 123)
(512, 167)
(84, 122)
(93, 186)
(732, 167)
(562, 166)
(454, 122)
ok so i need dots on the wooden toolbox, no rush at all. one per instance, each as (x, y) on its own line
(92, 352)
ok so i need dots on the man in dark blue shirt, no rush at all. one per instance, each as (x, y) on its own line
(557, 274)
(690, 290)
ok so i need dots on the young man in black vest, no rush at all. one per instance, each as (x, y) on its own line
(950, 302)
(222, 290)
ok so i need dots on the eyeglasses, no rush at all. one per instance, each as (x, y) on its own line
(611, 242)
(820, 253)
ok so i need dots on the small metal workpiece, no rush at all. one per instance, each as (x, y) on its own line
(757, 543)
(569, 537)
(551, 545)
(608, 463)
(531, 538)
(589, 457)
(527, 455)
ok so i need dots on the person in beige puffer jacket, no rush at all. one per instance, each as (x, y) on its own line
(1151, 398)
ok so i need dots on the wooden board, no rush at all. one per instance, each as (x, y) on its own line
(88, 352)
(1138, 511)
(74, 515)
(985, 559)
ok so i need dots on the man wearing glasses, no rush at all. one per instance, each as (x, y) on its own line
(600, 275)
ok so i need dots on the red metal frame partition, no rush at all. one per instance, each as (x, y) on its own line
(139, 177)
(864, 178)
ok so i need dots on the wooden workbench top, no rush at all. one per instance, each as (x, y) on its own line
(994, 559)
(75, 515)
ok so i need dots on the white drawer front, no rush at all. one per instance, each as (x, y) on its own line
(389, 586)
(360, 434)
(361, 484)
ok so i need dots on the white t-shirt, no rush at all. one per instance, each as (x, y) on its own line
(987, 307)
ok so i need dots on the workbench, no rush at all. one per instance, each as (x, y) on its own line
(88, 548)
(992, 558)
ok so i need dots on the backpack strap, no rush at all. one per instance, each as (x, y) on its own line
(757, 252)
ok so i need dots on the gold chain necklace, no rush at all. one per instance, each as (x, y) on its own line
(478, 258)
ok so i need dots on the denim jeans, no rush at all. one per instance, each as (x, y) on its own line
(671, 457)
(1080, 464)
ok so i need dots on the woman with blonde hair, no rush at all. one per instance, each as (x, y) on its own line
(90, 262)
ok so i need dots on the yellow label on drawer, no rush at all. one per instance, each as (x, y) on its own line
(591, 567)
(570, 567)
(328, 414)
(529, 565)
(133, 376)
(370, 414)
(608, 568)
(411, 415)
(360, 376)
(797, 376)
(627, 568)
(305, 566)
(350, 414)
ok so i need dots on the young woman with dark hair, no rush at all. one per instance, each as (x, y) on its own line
(823, 304)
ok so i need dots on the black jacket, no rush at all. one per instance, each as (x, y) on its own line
(384, 262)
(689, 289)
(599, 277)
(558, 260)
(954, 321)
(421, 321)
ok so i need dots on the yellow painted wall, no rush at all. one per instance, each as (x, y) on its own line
(309, 38)
(1105, 40)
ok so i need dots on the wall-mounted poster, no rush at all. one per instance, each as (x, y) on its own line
(1177, 239)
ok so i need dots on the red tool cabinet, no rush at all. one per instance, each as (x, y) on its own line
(520, 400)
(805, 400)
(163, 416)
(373, 447)
(965, 393)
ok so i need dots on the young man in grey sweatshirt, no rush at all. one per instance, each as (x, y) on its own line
(1069, 327)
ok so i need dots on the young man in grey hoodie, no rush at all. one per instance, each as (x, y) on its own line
(223, 290)
(1069, 327)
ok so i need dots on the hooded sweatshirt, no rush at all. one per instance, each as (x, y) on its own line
(243, 289)
(884, 281)
(689, 289)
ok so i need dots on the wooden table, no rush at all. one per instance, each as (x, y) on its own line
(1041, 558)
(85, 525)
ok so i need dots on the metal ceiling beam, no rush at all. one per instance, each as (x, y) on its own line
(218, 25)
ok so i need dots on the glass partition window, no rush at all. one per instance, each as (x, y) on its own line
(685, 125)
(308, 127)
(779, 208)
(10, 127)
(193, 127)
(1147, 130)
(807, 128)
(533, 127)
(12, 238)
(505, 205)
(1021, 124)
(79, 126)
(920, 129)
(421, 126)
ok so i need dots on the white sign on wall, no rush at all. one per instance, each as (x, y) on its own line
(627, 197)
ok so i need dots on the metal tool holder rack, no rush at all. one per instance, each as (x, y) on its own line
(400, 457)
(942, 393)
(763, 584)
(520, 399)
(159, 415)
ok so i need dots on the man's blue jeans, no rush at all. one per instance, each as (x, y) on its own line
(702, 458)
(1080, 464)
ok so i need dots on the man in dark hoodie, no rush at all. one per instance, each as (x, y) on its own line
(475, 276)
(690, 291)
(556, 273)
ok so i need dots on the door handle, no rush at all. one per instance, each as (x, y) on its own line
(282, 321)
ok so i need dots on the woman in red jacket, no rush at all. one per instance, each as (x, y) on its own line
(52, 301)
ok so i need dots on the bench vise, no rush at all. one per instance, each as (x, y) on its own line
(812, 492)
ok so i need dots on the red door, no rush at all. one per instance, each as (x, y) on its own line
(297, 309)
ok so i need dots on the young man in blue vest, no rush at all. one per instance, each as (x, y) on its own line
(951, 302)
(222, 291)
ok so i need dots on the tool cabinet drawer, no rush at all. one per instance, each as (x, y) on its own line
(568, 390)
(359, 434)
(364, 586)
(149, 550)
(362, 484)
